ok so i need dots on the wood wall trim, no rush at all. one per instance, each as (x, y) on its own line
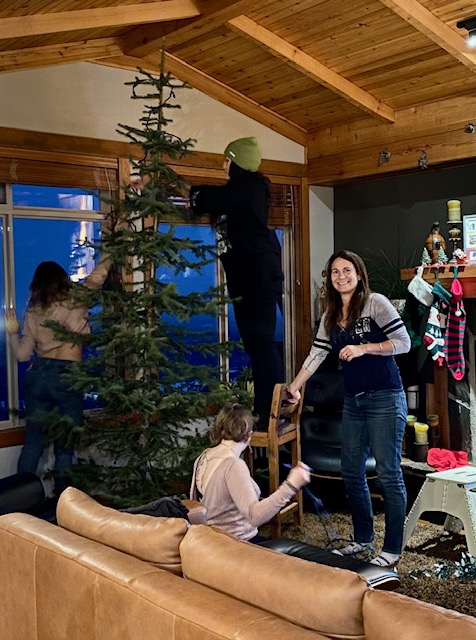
(12, 437)
(350, 152)
(44, 143)
(303, 279)
(80, 150)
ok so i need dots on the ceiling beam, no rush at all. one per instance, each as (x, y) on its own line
(215, 89)
(435, 29)
(144, 41)
(311, 67)
(50, 55)
(125, 15)
(234, 99)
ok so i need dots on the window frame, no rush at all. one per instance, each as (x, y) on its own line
(8, 212)
(112, 168)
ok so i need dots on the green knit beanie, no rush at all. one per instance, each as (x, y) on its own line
(245, 152)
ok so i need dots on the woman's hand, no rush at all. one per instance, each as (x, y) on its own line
(352, 351)
(294, 395)
(299, 476)
(12, 325)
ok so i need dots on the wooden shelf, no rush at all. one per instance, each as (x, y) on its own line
(466, 275)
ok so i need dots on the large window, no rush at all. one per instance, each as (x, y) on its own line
(32, 244)
(39, 224)
(53, 223)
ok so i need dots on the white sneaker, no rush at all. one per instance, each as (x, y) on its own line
(355, 548)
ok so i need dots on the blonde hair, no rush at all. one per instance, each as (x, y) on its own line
(233, 422)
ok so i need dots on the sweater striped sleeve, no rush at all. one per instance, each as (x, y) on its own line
(321, 346)
(389, 320)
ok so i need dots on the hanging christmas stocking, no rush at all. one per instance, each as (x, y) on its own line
(454, 336)
(433, 340)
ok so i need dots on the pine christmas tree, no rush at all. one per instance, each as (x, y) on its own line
(425, 257)
(442, 257)
(142, 351)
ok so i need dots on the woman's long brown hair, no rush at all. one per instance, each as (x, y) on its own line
(333, 297)
(50, 284)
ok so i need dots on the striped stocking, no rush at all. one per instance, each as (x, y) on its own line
(454, 336)
(433, 339)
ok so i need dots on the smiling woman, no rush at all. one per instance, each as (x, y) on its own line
(365, 330)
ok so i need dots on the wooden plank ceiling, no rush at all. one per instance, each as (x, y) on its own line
(346, 78)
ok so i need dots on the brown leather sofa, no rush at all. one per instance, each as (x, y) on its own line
(106, 575)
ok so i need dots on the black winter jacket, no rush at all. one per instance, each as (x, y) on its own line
(249, 250)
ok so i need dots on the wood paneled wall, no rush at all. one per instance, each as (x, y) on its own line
(351, 151)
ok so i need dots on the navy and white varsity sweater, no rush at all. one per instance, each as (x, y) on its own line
(378, 322)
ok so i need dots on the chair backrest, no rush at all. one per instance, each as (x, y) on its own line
(284, 415)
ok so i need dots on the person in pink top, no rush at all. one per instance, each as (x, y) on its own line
(51, 299)
(223, 483)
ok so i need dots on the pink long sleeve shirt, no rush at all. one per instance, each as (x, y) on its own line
(230, 495)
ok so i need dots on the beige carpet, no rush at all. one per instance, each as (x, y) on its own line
(450, 593)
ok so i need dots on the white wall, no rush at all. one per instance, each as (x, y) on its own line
(90, 100)
(9, 461)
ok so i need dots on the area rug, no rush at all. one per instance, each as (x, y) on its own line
(425, 562)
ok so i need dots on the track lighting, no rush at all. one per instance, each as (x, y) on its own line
(470, 25)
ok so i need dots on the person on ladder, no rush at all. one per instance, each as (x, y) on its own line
(251, 257)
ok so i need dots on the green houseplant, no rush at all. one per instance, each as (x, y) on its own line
(384, 275)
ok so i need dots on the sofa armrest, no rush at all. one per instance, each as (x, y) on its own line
(197, 513)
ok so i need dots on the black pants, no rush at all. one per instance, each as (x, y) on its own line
(256, 321)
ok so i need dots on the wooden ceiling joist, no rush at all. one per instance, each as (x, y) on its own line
(43, 23)
(343, 79)
(440, 33)
(311, 67)
(214, 89)
(232, 98)
(47, 56)
(144, 41)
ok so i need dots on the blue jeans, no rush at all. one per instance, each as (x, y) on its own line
(375, 421)
(46, 390)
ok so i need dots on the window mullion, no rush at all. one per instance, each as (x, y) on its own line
(9, 303)
(223, 325)
(288, 308)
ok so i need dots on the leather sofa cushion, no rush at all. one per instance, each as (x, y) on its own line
(394, 616)
(56, 585)
(320, 598)
(154, 540)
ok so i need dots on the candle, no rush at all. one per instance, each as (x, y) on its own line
(454, 210)
(421, 433)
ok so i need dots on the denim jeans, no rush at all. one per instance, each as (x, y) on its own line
(45, 390)
(375, 421)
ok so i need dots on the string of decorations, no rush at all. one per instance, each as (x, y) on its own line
(423, 163)
(463, 570)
